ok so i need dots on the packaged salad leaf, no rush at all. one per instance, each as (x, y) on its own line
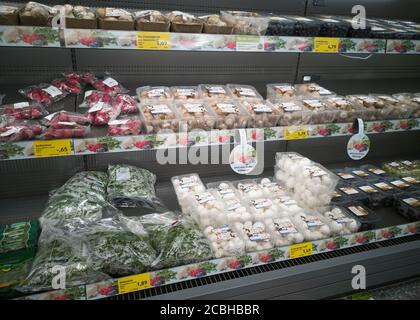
(20, 235)
(131, 186)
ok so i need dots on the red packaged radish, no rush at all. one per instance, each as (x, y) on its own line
(109, 85)
(124, 126)
(81, 77)
(24, 110)
(65, 116)
(20, 131)
(92, 97)
(66, 131)
(126, 103)
(101, 113)
(68, 85)
(43, 93)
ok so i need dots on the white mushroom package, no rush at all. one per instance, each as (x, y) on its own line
(263, 208)
(207, 209)
(248, 189)
(224, 241)
(283, 231)
(185, 185)
(255, 235)
(272, 188)
(310, 184)
(287, 206)
(339, 222)
(312, 225)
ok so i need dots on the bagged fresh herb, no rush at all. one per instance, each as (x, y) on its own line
(130, 186)
(20, 235)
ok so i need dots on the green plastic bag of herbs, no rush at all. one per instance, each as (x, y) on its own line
(20, 235)
(175, 238)
(60, 257)
(130, 186)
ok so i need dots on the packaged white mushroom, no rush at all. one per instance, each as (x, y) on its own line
(225, 189)
(230, 115)
(271, 188)
(263, 113)
(207, 209)
(213, 91)
(263, 208)
(159, 116)
(154, 93)
(242, 91)
(292, 113)
(248, 189)
(224, 242)
(237, 211)
(196, 115)
(277, 92)
(313, 226)
(255, 235)
(287, 206)
(185, 92)
(312, 89)
(185, 185)
(339, 221)
(283, 231)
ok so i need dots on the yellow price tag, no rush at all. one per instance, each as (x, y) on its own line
(294, 133)
(300, 250)
(153, 40)
(326, 44)
(52, 148)
(134, 283)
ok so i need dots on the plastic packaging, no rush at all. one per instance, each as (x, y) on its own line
(398, 109)
(213, 91)
(154, 93)
(344, 175)
(403, 168)
(65, 116)
(109, 85)
(185, 22)
(292, 113)
(68, 85)
(263, 113)
(373, 170)
(320, 112)
(386, 187)
(131, 186)
(339, 221)
(337, 197)
(400, 184)
(43, 93)
(24, 110)
(101, 113)
(243, 22)
(374, 197)
(312, 89)
(367, 218)
(306, 27)
(93, 97)
(13, 131)
(224, 241)
(408, 205)
(126, 104)
(363, 173)
(80, 17)
(242, 91)
(277, 92)
(281, 26)
(9, 15)
(185, 93)
(19, 235)
(185, 185)
(313, 226)
(207, 209)
(196, 115)
(248, 189)
(63, 130)
(37, 14)
(124, 126)
(373, 108)
(237, 211)
(411, 180)
(346, 110)
(151, 20)
(158, 116)
(230, 114)
(331, 27)
(284, 231)
(271, 188)
(255, 235)
(224, 189)
(263, 208)
(115, 19)
(213, 24)
(287, 206)
(350, 193)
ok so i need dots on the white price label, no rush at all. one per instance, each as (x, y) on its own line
(109, 82)
(96, 107)
(21, 105)
(227, 108)
(159, 108)
(123, 174)
(53, 91)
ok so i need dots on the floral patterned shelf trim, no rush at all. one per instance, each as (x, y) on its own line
(403, 46)
(20, 36)
(74, 293)
(107, 144)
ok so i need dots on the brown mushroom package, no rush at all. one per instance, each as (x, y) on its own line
(243, 91)
(263, 113)
(196, 115)
(213, 24)
(230, 114)
(292, 112)
(9, 15)
(37, 14)
(151, 20)
(185, 22)
(159, 116)
(155, 93)
(80, 17)
(213, 91)
(373, 108)
(280, 91)
(115, 19)
(185, 93)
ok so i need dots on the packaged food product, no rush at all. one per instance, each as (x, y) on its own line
(339, 221)
(19, 235)
(400, 184)
(9, 15)
(207, 209)
(185, 185)
(350, 193)
(64, 116)
(213, 91)
(408, 205)
(243, 22)
(248, 189)
(224, 241)
(377, 172)
(126, 104)
(158, 116)
(230, 114)
(37, 14)
(151, 20)
(101, 113)
(306, 27)
(331, 27)
(24, 110)
(263, 113)
(345, 175)
(154, 93)
(124, 126)
(337, 197)
(263, 208)
(386, 187)
(281, 26)
(292, 113)
(287, 206)
(403, 168)
(398, 109)
(271, 188)
(283, 231)
(313, 226)
(346, 110)
(411, 180)
(13, 131)
(312, 89)
(80, 17)
(62, 130)
(185, 22)
(109, 85)
(320, 112)
(224, 189)
(213, 24)
(355, 33)
(115, 19)
(373, 108)
(236, 210)
(363, 173)
(93, 97)
(367, 218)
(374, 198)
(67, 85)
(43, 93)
(242, 91)
(255, 235)
(280, 91)
(185, 92)
(308, 182)
(411, 99)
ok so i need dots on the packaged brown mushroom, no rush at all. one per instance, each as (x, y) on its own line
(159, 93)
(185, 22)
(320, 112)
(37, 14)
(373, 108)
(215, 25)
(213, 91)
(195, 115)
(346, 110)
(151, 20)
(243, 91)
(230, 114)
(9, 15)
(398, 109)
(185, 92)
(243, 22)
(263, 113)
(280, 91)
(312, 89)
(292, 113)
(411, 99)
(80, 17)
(158, 116)
(115, 19)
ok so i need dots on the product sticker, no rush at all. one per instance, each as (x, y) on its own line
(123, 174)
(261, 203)
(294, 157)
(272, 187)
(159, 108)
(400, 184)
(216, 90)
(323, 92)
(66, 123)
(360, 173)
(389, 99)
(96, 107)
(109, 82)
(417, 100)
(290, 107)
(368, 189)
(247, 187)
(114, 12)
(340, 218)
(261, 108)
(339, 101)
(224, 191)
(285, 88)
(143, 13)
(118, 122)
(407, 163)
(303, 19)
(359, 211)
(53, 91)
(345, 175)
(10, 131)
(394, 164)
(188, 182)
(227, 108)
(256, 234)
(287, 201)
(313, 103)
(383, 186)
(314, 171)
(312, 221)
(158, 92)
(330, 20)
(246, 92)
(88, 93)
(50, 116)
(204, 197)
(21, 105)
(285, 228)
(186, 92)
(376, 171)
(411, 180)
(412, 202)
(194, 107)
(233, 204)
(336, 195)
(349, 190)
(224, 233)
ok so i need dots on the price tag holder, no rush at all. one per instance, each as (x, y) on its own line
(294, 133)
(326, 44)
(300, 250)
(134, 283)
(52, 148)
(153, 40)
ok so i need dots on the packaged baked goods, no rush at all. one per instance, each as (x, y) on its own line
(125, 125)
(280, 91)
(312, 89)
(185, 92)
(230, 114)
(243, 22)
(347, 111)
(9, 14)
(80, 17)
(292, 113)
(158, 116)
(37, 14)
(196, 115)
(185, 22)
(263, 113)
(115, 19)
(213, 24)
(320, 111)
(213, 91)
(151, 20)
(243, 91)
(154, 93)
